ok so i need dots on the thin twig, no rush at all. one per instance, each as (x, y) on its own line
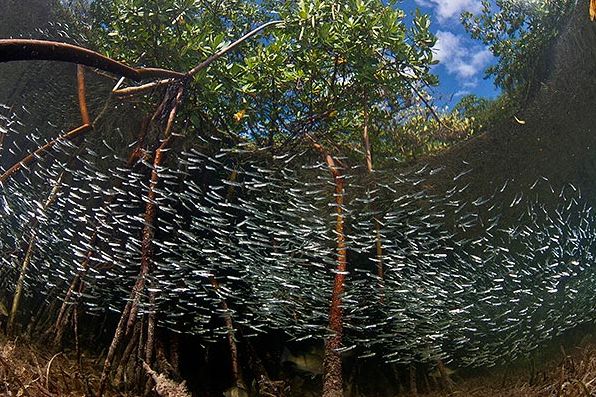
(141, 88)
(49, 367)
(229, 48)
(428, 105)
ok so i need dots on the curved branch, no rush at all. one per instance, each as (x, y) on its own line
(229, 48)
(154, 84)
(27, 50)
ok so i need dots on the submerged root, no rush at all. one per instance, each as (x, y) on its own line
(165, 387)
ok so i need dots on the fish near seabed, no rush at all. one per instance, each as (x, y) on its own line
(310, 361)
(436, 373)
(235, 391)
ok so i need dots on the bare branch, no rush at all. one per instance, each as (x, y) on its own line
(28, 50)
(81, 94)
(70, 135)
(229, 48)
(141, 88)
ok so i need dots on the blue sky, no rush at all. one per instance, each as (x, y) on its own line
(462, 59)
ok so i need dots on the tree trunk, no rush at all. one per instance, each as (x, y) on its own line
(129, 313)
(333, 386)
(16, 301)
(332, 365)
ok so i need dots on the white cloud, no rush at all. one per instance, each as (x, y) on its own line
(461, 93)
(472, 83)
(447, 9)
(459, 56)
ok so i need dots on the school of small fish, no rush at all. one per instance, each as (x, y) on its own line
(459, 283)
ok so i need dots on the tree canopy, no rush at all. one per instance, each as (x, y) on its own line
(319, 72)
(519, 34)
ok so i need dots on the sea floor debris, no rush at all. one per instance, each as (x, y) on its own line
(28, 369)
